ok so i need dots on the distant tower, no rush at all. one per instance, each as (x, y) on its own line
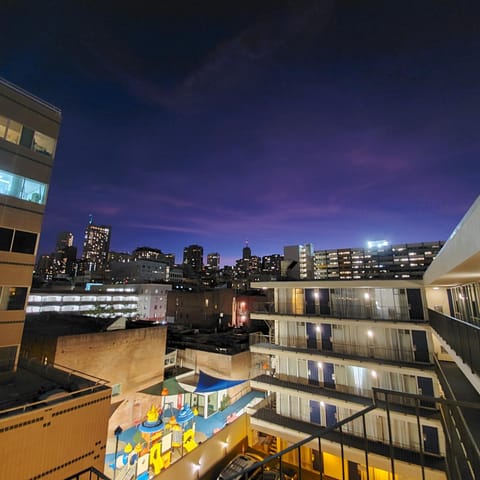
(246, 252)
(193, 260)
(96, 247)
(65, 255)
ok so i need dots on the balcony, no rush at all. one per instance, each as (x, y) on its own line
(342, 393)
(396, 357)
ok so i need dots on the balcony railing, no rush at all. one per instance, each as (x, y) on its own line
(338, 310)
(338, 433)
(373, 351)
(462, 337)
(339, 391)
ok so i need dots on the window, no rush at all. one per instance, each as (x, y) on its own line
(14, 130)
(43, 144)
(27, 137)
(24, 188)
(6, 235)
(3, 126)
(24, 242)
(13, 298)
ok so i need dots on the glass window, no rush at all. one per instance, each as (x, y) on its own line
(7, 358)
(27, 137)
(43, 144)
(13, 132)
(24, 242)
(13, 298)
(3, 126)
(6, 235)
(23, 188)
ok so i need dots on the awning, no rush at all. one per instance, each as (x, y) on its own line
(207, 383)
(170, 384)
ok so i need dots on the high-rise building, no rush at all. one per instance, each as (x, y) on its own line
(193, 260)
(271, 264)
(96, 247)
(246, 252)
(298, 262)
(65, 255)
(379, 260)
(213, 261)
(40, 405)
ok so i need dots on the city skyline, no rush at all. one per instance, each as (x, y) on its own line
(279, 124)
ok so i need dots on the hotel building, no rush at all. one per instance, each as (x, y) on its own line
(333, 345)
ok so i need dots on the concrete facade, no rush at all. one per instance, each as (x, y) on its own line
(25, 170)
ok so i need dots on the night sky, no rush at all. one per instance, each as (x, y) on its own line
(280, 122)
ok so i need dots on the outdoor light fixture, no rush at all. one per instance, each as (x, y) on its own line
(370, 334)
(319, 364)
(319, 328)
(374, 374)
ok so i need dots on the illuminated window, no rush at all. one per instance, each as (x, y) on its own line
(14, 129)
(23, 188)
(43, 144)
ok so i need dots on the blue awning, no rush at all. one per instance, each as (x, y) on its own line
(207, 383)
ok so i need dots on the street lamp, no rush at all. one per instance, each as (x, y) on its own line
(117, 434)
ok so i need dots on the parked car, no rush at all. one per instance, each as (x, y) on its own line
(236, 468)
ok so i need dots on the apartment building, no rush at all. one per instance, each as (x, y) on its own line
(332, 343)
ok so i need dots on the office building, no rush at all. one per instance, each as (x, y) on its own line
(246, 251)
(213, 261)
(193, 260)
(96, 246)
(141, 301)
(40, 404)
(65, 255)
(271, 264)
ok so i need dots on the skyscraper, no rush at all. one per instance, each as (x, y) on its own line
(246, 252)
(96, 247)
(213, 261)
(65, 254)
(28, 136)
(193, 260)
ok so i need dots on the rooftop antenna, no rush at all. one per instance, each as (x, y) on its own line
(90, 219)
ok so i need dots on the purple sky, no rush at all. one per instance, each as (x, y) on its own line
(280, 122)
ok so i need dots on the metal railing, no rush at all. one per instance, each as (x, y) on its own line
(462, 337)
(338, 310)
(371, 350)
(29, 95)
(381, 399)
